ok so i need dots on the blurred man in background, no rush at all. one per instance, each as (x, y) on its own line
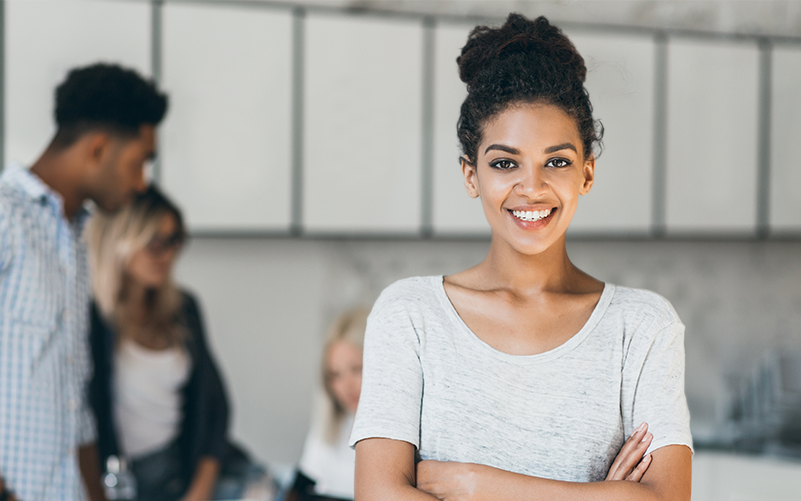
(106, 120)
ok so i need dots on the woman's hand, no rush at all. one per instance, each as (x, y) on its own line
(630, 464)
(202, 486)
(452, 481)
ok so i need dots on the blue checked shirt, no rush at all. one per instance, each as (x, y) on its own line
(44, 352)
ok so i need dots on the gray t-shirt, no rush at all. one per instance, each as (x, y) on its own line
(563, 414)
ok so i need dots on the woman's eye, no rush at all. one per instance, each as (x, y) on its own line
(503, 164)
(558, 162)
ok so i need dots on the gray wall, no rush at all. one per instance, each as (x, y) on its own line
(267, 302)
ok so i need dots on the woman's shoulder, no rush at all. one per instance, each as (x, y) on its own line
(190, 315)
(414, 297)
(190, 307)
(412, 290)
(188, 298)
(640, 305)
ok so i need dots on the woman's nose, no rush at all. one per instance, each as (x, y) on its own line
(531, 183)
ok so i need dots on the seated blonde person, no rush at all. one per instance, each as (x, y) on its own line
(156, 393)
(326, 467)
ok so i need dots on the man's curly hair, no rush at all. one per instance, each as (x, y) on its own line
(105, 97)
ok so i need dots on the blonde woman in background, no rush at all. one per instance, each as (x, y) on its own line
(156, 393)
(326, 467)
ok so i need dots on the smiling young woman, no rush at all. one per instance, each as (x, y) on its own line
(521, 377)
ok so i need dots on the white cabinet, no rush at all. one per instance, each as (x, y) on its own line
(44, 40)
(712, 137)
(230, 157)
(362, 120)
(620, 80)
(227, 138)
(453, 211)
(785, 164)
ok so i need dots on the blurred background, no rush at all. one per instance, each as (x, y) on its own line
(312, 146)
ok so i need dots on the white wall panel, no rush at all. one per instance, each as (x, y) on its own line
(785, 177)
(454, 212)
(44, 39)
(362, 125)
(620, 80)
(227, 152)
(712, 137)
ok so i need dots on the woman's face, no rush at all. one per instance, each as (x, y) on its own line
(530, 170)
(343, 364)
(151, 266)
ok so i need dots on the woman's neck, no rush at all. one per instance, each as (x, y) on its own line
(137, 320)
(549, 271)
(135, 299)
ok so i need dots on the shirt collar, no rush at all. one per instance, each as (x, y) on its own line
(30, 184)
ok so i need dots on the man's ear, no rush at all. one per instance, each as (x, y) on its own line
(470, 177)
(589, 175)
(96, 145)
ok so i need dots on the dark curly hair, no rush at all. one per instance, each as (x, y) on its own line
(105, 97)
(523, 61)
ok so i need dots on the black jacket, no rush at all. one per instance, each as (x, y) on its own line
(205, 406)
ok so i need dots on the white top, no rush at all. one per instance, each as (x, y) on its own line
(331, 466)
(147, 398)
(563, 414)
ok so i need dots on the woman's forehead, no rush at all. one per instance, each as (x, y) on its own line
(531, 126)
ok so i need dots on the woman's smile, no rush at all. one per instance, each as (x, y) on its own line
(532, 219)
(529, 173)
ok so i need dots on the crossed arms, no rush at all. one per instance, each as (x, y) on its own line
(385, 471)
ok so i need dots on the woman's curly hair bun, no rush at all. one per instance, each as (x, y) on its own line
(518, 36)
(522, 61)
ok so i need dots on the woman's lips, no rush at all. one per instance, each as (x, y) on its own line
(533, 219)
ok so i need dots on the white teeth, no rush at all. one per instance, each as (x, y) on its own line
(531, 215)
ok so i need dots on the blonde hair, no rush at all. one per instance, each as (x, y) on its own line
(112, 240)
(348, 326)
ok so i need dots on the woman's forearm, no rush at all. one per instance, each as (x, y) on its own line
(390, 492)
(504, 485)
(385, 472)
(668, 478)
(204, 479)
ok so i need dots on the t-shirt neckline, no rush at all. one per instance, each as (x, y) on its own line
(597, 313)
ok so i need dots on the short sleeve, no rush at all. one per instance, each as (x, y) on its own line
(392, 378)
(653, 386)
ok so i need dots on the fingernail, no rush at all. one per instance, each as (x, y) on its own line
(647, 436)
(640, 428)
(647, 458)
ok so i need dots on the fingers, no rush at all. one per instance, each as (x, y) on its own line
(630, 454)
(640, 470)
(625, 452)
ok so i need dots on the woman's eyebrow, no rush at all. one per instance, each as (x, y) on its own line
(507, 149)
(558, 147)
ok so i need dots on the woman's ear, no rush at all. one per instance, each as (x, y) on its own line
(470, 177)
(589, 176)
